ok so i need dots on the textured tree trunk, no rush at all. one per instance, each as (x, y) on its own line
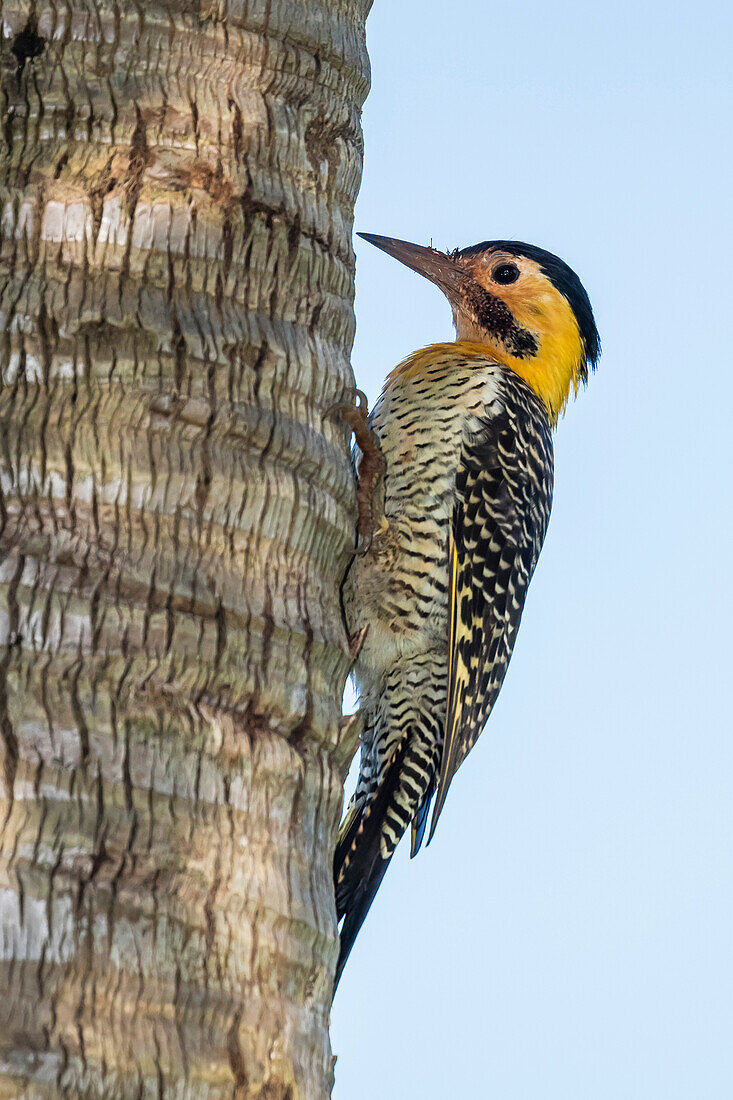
(176, 514)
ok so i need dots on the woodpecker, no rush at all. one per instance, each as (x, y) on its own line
(456, 479)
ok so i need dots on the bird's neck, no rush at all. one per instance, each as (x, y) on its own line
(543, 373)
(553, 370)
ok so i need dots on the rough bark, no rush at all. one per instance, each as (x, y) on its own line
(176, 512)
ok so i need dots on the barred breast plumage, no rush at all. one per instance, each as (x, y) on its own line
(420, 420)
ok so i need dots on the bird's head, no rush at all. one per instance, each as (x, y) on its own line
(521, 303)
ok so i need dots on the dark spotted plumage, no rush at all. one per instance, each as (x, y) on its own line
(491, 314)
(502, 507)
(468, 450)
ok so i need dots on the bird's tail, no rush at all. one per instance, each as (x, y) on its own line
(371, 831)
(360, 860)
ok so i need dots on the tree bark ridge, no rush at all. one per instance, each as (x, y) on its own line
(176, 512)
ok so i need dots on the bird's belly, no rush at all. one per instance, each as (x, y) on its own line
(401, 590)
(400, 586)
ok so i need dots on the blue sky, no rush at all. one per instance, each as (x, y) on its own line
(568, 932)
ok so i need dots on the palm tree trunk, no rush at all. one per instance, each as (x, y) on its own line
(176, 513)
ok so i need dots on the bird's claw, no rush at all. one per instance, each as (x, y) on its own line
(356, 641)
(372, 468)
(359, 407)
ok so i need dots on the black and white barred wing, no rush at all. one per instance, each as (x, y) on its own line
(503, 500)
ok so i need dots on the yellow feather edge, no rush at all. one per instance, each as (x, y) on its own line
(453, 710)
(351, 811)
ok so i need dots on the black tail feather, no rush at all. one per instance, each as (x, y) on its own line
(356, 914)
(421, 821)
(343, 883)
(359, 866)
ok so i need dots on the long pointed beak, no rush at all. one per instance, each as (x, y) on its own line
(428, 262)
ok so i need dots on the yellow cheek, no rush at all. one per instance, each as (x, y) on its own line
(550, 373)
(556, 367)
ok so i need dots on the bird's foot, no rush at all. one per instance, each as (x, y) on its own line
(356, 641)
(372, 467)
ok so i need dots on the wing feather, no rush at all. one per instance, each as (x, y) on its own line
(503, 500)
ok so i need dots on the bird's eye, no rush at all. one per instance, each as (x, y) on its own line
(505, 274)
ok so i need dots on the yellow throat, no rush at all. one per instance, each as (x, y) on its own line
(550, 373)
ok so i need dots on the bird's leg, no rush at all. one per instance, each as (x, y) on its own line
(371, 471)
